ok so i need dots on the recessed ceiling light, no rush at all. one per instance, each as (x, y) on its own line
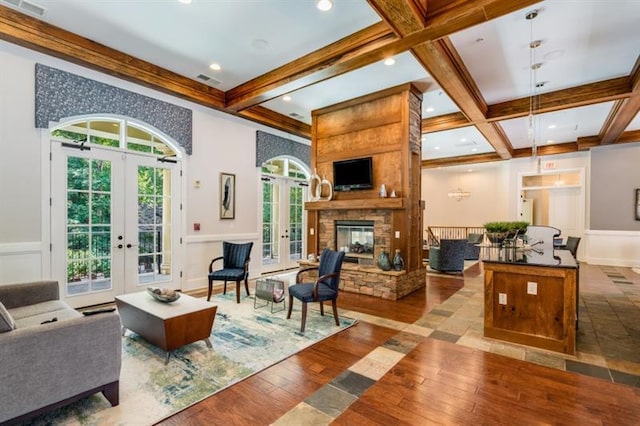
(324, 5)
(286, 98)
(550, 141)
(473, 150)
(436, 147)
(430, 109)
(185, 1)
(215, 67)
(463, 140)
(389, 61)
(552, 126)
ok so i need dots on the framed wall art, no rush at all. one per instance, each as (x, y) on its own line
(227, 196)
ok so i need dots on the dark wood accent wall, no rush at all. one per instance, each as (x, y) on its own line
(386, 126)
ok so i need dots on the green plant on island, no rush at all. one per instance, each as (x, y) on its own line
(506, 226)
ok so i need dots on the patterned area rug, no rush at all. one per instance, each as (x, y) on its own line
(245, 341)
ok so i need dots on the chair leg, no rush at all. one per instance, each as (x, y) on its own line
(225, 287)
(210, 288)
(290, 306)
(321, 308)
(238, 291)
(246, 286)
(334, 303)
(304, 316)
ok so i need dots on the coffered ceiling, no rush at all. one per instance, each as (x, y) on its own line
(470, 58)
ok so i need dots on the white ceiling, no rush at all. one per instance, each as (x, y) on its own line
(583, 41)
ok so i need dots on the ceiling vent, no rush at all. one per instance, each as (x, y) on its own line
(26, 6)
(296, 116)
(464, 144)
(207, 79)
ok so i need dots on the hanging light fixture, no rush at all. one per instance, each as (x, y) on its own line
(534, 101)
(458, 194)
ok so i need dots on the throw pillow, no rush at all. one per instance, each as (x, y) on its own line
(6, 320)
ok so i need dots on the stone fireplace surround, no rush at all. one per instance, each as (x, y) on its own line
(363, 279)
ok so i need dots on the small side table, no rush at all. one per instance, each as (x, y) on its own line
(272, 291)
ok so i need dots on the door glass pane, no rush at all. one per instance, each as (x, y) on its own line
(270, 223)
(88, 246)
(295, 222)
(154, 225)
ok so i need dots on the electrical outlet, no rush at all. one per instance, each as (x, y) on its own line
(312, 231)
(532, 288)
(397, 234)
(502, 298)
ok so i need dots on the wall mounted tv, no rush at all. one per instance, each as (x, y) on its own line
(352, 174)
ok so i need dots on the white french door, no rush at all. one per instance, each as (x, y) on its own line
(282, 223)
(115, 223)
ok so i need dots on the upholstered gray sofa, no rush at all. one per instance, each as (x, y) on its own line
(47, 365)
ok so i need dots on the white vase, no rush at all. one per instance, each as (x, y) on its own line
(383, 191)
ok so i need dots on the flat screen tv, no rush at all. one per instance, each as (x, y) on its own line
(352, 174)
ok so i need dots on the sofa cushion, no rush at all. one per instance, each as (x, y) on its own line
(37, 309)
(36, 320)
(6, 320)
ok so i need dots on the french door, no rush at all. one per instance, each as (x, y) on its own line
(115, 223)
(282, 223)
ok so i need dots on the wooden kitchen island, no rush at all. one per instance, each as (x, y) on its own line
(530, 297)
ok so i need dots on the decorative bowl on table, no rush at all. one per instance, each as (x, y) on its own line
(165, 295)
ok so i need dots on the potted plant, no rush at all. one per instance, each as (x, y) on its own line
(497, 232)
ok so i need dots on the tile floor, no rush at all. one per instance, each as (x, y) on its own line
(608, 341)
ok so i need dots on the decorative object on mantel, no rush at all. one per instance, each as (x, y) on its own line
(165, 295)
(398, 261)
(324, 183)
(383, 191)
(393, 193)
(384, 262)
(314, 187)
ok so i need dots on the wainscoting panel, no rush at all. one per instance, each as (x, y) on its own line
(614, 248)
(20, 262)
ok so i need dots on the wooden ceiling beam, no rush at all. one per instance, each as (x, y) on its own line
(325, 64)
(623, 113)
(465, 159)
(279, 81)
(587, 94)
(32, 33)
(455, 120)
(276, 120)
(443, 63)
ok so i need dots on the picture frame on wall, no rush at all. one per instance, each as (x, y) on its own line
(637, 203)
(227, 196)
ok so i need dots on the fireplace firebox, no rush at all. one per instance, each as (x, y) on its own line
(355, 238)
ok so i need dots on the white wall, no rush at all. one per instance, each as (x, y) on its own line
(221, 143)
(494, 196)
(489, 200)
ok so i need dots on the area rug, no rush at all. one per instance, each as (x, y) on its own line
(245, 341)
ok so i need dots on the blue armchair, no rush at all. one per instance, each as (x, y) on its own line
(449, 256)
(235, 267)
(324, 288)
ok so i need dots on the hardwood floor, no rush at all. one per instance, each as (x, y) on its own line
(431, 382)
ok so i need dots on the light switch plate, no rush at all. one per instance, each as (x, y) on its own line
(502, 298)
(532, 288)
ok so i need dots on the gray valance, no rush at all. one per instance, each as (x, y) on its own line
(269, 146)
(60, 94)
